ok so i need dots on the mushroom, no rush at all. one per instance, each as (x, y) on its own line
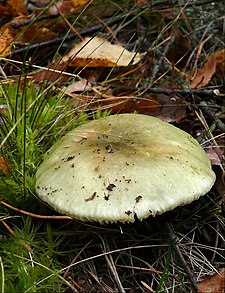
(123, 167)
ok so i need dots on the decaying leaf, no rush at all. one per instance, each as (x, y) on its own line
(54, 72)
(79, 3)
(220, 59)
(78, 86)
(66, 6)
(12, 7)
(128, 104)
(214, 283)
(6, 40)
(98, 52)
(172, 109)
(215, 155)
(180, 49)
(116, 105)
(4, 165)
(204, 74)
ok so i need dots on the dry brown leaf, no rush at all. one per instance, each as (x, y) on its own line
(54, 72)
(10, 36)
(204, 74)
(33, 33)
(79, 3)
(172, 109)
(220, 59)
(141, 2)
(98, 52)
(123, 104)
(6, 40)
(180, 49)
(13, 8)
(78, 86)
(214, 283)
(215, 155)
(66, 6)
(4, 166)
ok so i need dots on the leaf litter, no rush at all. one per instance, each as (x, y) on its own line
(115, 71)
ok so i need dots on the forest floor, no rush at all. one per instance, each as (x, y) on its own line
(63, 63)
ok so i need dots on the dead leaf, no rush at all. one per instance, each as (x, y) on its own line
(54, 72)
(124, 104)
(129, 104)
(78, 86)
(13, 8)
(180, 49)
(98, 52)
(213, 284)
(33, 33)
(220, 57)
(219, 185)
(172, 109)
(6, 41)
(79, 3)
(60, 6)
(4, 165)
(141, 2)
(17, 32)
(204, 74)
(215, 155)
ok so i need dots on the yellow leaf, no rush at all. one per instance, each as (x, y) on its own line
(98, 52)
(79, 3)
(6, 40)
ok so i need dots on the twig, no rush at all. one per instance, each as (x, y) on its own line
(176, 247)
(150, 270)
(207, 93)
(85, 32)
(75, 258)
(13, 234)
(186, 91)
(112, 267)
(211, 115)
(201, 3)
(35, 215)
(3, 275)
(198, 55)
(160, 62)
(17, 25)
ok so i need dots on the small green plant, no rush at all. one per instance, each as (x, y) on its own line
(28, 262)
(31, 120)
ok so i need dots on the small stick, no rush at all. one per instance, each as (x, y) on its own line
(35, 215)
(186, 268)
(207, 93)
(13, 234)
(160, 62)
(75, 258)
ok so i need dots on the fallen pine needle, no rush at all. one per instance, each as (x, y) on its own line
(35, 215)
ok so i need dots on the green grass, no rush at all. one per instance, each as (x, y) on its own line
(33, 118)
(30, 123)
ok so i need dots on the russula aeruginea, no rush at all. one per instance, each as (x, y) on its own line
(121, 167)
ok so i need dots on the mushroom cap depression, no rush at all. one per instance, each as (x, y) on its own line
(123, 167)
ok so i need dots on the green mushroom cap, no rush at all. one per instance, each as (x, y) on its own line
(123, 167)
